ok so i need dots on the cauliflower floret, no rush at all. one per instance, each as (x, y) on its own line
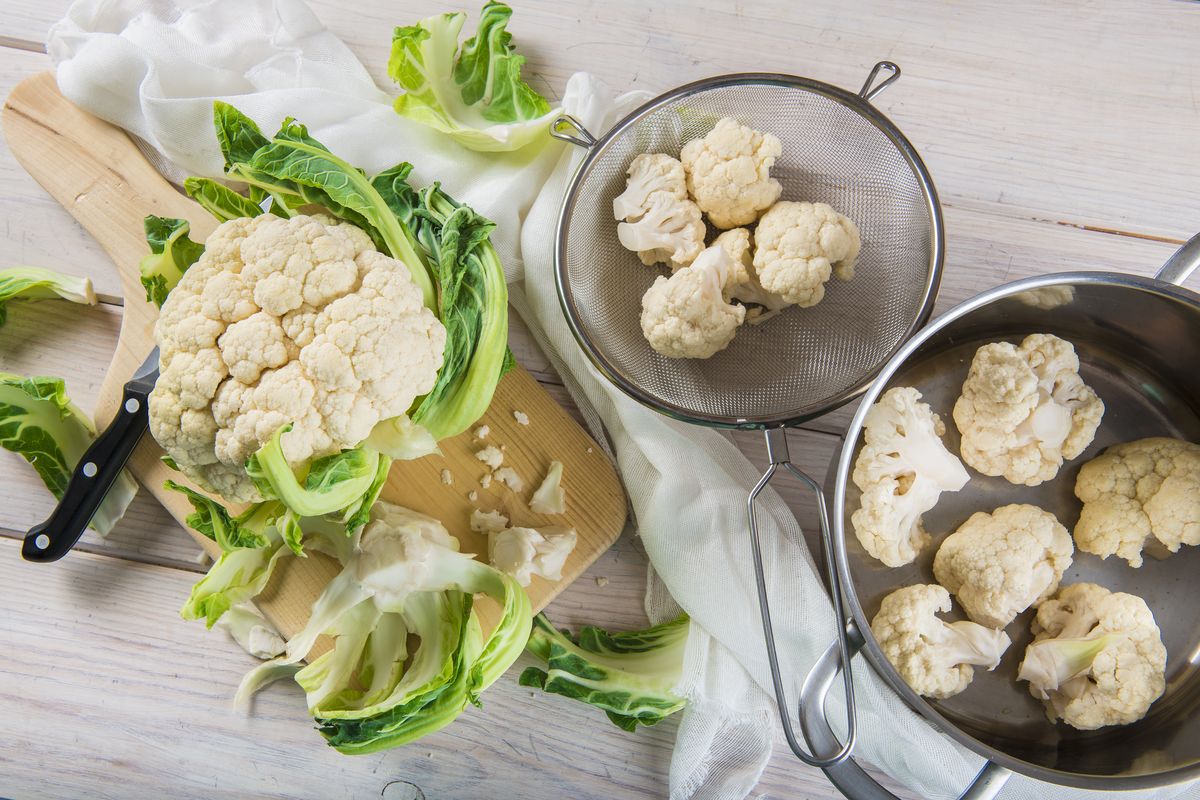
(729, 173)
(686, 316)
(525, 552)
(743, 283)
(671, 230)
(999, 564)
(650, 174)
(1097, 658)
(283, 321)
(933, 657)
(799, 245)
(1023, 410)
(1136, 490)
(902, 470)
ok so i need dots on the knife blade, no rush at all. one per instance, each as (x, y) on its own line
(96, 471)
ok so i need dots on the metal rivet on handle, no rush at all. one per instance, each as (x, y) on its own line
(42, 541)
(90, 469)
(132, 405)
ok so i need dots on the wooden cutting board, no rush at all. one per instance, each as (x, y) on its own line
(97, 173)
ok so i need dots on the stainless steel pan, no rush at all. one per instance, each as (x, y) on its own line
(1138, 341)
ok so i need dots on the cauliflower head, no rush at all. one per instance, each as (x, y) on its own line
(799, 245)
(671, 230)
(1097, 657)
(902, 470)
(934, 657)
(1023, 410)
(649, 175)
(1138, 490)
(729, 173)
(686, 315)
(297, 321)
(999, 564)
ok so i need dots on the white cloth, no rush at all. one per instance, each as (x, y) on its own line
(154, 67)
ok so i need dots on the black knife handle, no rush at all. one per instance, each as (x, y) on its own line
(94, 475)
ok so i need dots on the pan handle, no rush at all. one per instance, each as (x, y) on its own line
(850, 778)
(777, 451)
(1182, 264)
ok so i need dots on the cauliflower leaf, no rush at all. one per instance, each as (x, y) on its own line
(473, 93)
(35, 283)
(171, 253)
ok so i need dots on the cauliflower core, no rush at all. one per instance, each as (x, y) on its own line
(743, 283)
(670, 230)
(999, 564)
(902, 470)
(1096, 659)
(799, 245)
(282, 321)
(525, 552)
(729, 173)
(1138, 490)
(933, 657)
(1025, 409)
(686, 315)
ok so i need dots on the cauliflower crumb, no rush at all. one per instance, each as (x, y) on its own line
(589, 450)
(491, 456)
(525, 552)
(601, 581)
(729, 172)
(447, 478)
(509, 477)
(550, 498)
(488, 521)
(486, 480)
(482, 432)
(472, 495)
(521, 417)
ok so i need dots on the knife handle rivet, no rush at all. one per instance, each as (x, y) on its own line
(132, 405)
(90, 469)
(42, 541)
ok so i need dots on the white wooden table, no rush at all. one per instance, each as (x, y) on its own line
(1061, 136)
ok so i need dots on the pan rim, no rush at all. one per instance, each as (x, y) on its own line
(870, 648)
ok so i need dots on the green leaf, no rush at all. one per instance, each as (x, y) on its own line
(472, 302)
(219, 200)
(237, 134)
(40, 423)
(171, 253)
(332, 484)
(213, 520)
(35, 283)
(475, 94)
(238, 575)
(630, 676)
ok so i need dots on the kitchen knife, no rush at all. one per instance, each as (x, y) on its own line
(96, 471)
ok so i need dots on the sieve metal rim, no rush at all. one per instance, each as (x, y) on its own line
(860, 104)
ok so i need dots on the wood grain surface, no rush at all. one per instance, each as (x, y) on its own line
(1060, 135)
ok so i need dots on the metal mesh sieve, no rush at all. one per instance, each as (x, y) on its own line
(836, 149)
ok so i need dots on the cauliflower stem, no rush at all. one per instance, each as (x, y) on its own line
(1051, 663)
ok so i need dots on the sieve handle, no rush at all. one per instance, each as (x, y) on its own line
(869, 90)
(777, 450)
(571, 130)
(1182, 263)
(850, 778)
